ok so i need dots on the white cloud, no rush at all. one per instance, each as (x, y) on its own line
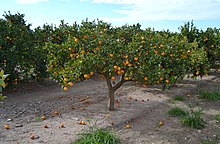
(150, 10)
(30, 1)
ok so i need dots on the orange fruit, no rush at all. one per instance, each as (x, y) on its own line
(86, 76)
(65, 88)
(161, 79)
(161, 123)
(156, 52)
(127, 126)
(82, 123)
(167, 81)
(197, 73)
(111, 55)
(113, 78)
(162, 53)
(142, 38)
(45, 126)
(155, 46)
(61, 125)
(161, 45)
(65, 79)
(97, 48)
(145, 78)
(126, 62)
(135, 58)
(76, 39)
(6, 126)
(56, 112)
(126, 78)
(70, 84)
(119, 72)
(43, 117)
(119, 68)
(55, 73)
(91, 73)
(115, 67)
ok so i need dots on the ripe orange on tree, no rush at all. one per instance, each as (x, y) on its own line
(65, 88)
(112, 78)
(136, 58)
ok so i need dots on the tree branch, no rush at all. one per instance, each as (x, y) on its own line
(109, 84)
(119, 84)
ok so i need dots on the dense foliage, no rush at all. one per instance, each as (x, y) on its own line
(117, 54)
(19, 55)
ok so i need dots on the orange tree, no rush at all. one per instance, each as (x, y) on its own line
(207, 40)
(19, 56)
(122, 54)
(210, 41)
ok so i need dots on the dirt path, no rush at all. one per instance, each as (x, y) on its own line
(143, 108)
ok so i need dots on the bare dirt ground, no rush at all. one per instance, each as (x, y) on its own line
(141, 107)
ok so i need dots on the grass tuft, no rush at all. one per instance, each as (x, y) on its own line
(177, 112)
(178, 98)
(209, 95)
(208, 141)
(98, 136)
(194, 120)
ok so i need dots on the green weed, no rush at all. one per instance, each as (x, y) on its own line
(194, 120)
(98, 136)
(177, 112)
(209, 95)
(178, 98)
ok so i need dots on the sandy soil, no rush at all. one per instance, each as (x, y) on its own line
(141, 107)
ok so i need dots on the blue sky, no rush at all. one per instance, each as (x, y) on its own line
(158, 14)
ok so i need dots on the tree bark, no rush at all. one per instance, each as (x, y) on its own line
(111, 100)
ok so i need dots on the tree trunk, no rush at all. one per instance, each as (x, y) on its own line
(111, 91)
(111, 100)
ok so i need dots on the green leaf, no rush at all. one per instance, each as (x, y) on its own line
(2, 83)
(1, 73)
